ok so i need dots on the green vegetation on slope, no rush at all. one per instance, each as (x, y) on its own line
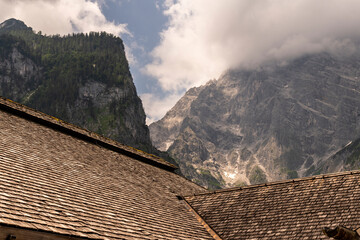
(69, 62)
(80, 78)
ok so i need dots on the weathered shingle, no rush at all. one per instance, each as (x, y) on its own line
(296, 209)
(58, 182)
(58, 178)
(73, 130)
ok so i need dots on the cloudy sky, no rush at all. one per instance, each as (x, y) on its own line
(173, 45)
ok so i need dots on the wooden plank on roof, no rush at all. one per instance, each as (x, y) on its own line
(9, 232)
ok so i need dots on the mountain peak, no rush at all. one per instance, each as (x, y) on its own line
(13, 24)
(269, 124)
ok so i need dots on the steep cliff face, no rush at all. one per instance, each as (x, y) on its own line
(165, 131)
(272, 123)
(15, 65)
(346, 159)
(82, 79)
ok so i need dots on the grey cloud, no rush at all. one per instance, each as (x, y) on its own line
(206, 37)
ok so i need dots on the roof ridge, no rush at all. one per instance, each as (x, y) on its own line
(327, 175)
(71, 129)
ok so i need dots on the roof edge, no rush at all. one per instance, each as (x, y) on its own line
(81, 133)
(37, 230)
(322, 176)
(208, 228)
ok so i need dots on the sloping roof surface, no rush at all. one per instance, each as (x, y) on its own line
(56, 182)
(296, 209)
(75, 130)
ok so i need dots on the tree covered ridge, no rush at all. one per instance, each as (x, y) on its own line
(65, 65)
(78, 56)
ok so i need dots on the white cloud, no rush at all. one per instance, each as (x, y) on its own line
(63, 17)
(156, 106)
(60, 16)
(206, 37)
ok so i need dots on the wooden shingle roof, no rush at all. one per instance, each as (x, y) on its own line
(70, 129)
(57, 178)
(293, 209)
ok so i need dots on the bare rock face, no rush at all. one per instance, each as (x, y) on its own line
(18, 66)
(166, 130)
(273, 123)
(346, 159)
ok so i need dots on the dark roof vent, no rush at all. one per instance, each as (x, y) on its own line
(180, 197)
(11, 237)
(341, 233)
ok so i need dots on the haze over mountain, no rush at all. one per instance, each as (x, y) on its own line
(271, 123)
(204, 38)
(288, 93)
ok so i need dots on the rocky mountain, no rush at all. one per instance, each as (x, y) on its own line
(346, 159)
(13, 24)
(81, 78)
(165, 131)
(275, 122)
